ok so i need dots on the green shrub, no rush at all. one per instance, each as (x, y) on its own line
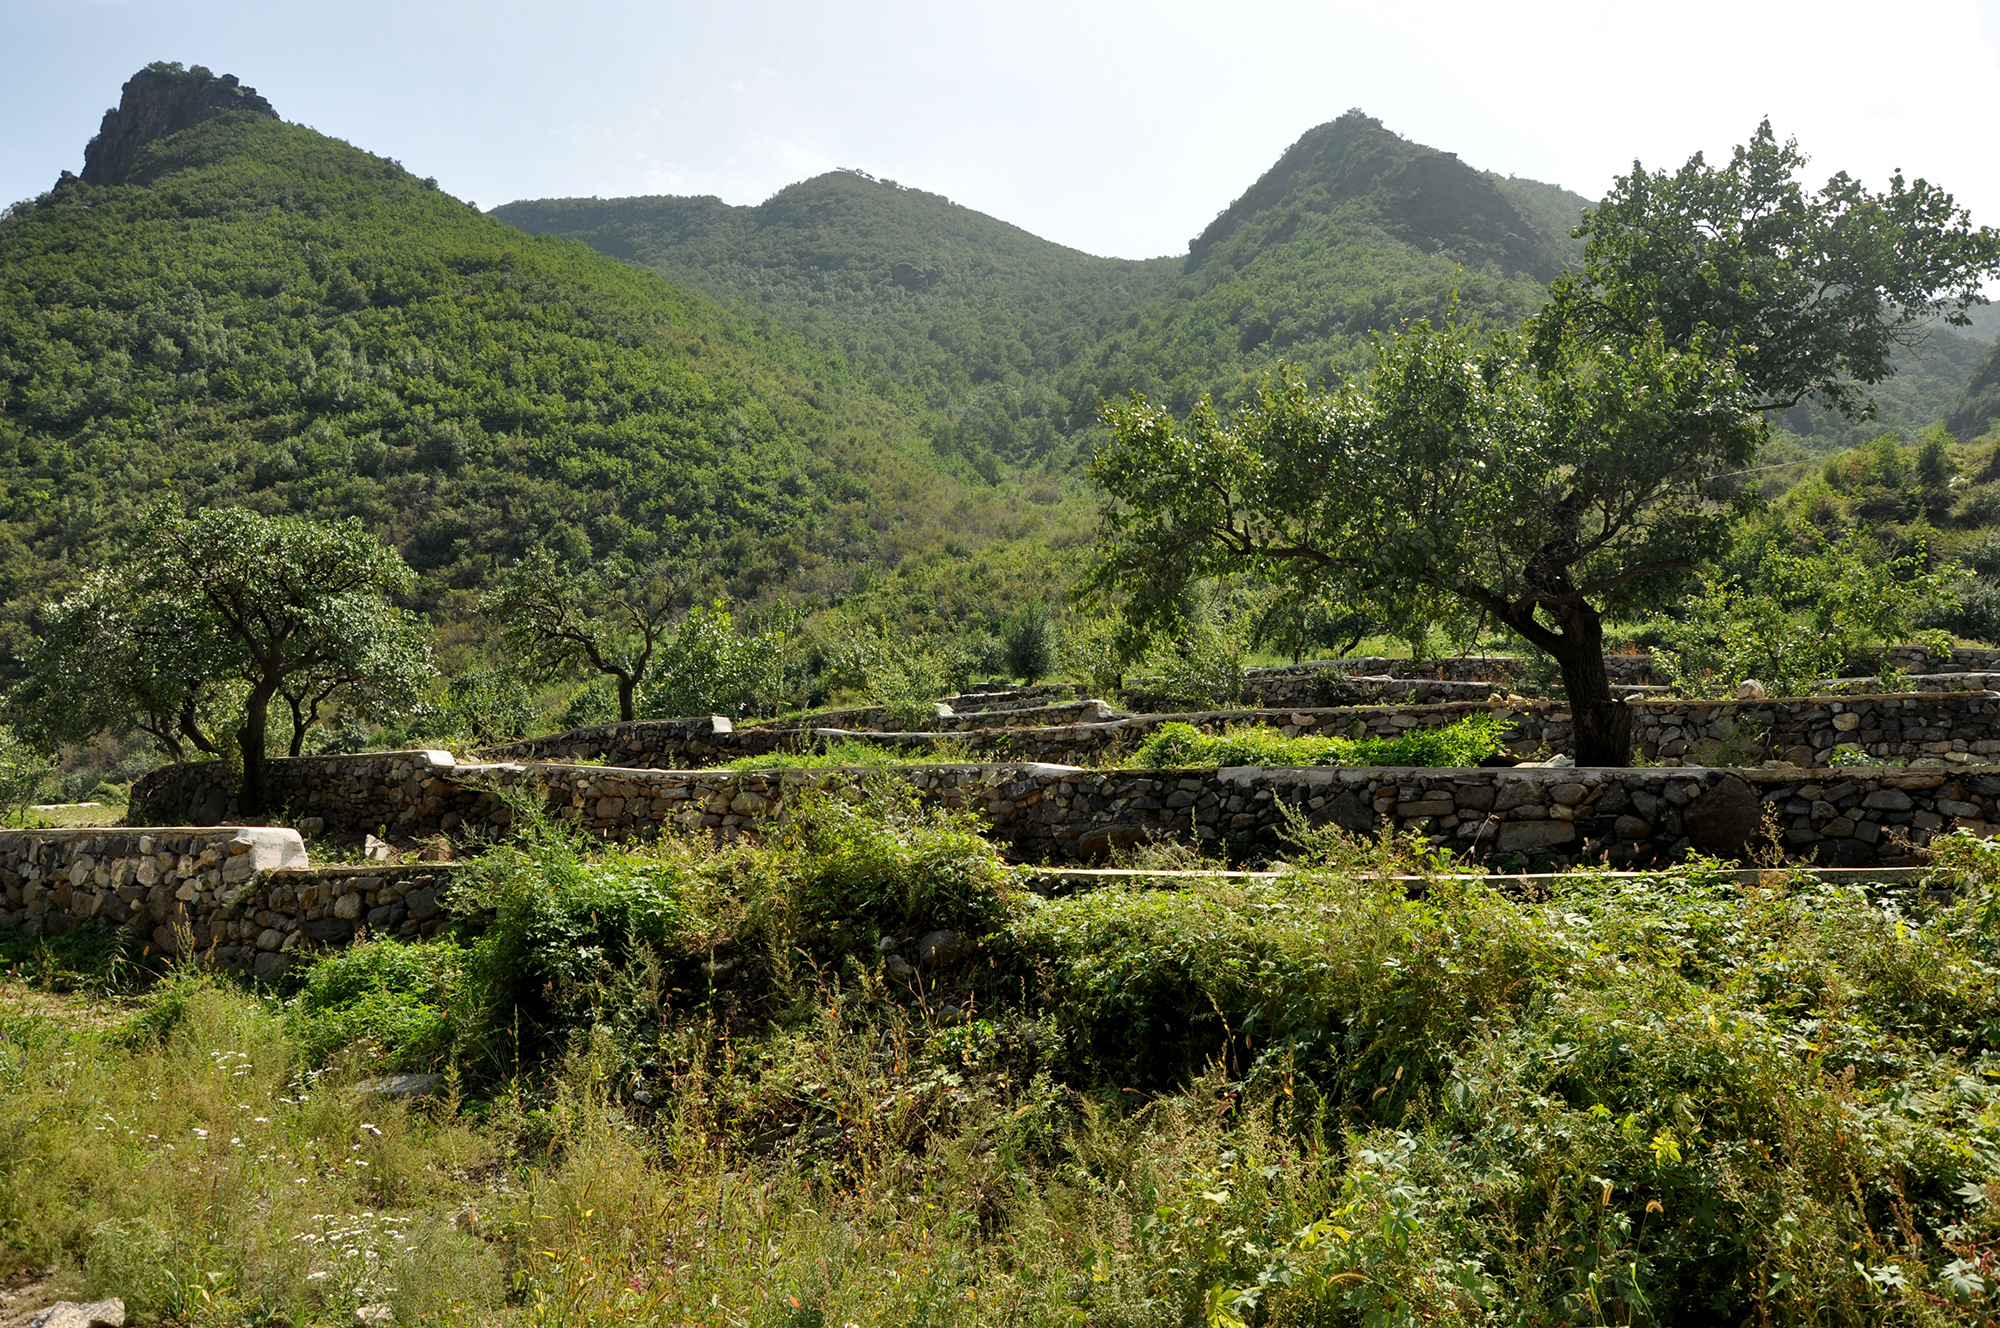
(1173, 745)
(389, 998)
(564, 924)
(851, 752)
(883, 864)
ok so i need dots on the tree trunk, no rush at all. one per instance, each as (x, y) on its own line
(626, 686)
(250, 742)
(1603, 727)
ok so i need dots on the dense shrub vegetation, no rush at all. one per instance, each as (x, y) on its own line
(1468, 742)
(686, 1084)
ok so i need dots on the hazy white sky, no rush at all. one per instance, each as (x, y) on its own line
(1116, 128)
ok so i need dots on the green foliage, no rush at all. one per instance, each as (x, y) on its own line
(935, 305)
(1012, 341)
(383, 998)
(709, 667)
(270, 607)
(882, 863)
(335, 337)
(113, 658)
(1805, 291)
(610, 618)
(1094, 651)
(1804, 618)
(24, 769)
(562, 927)
(1177, 745)
(1204, 666)
(1354, 231)
(852, 753)
(1977, 410)
(1298, 1101)
(1028, 644)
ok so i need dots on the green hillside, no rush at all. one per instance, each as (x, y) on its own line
(1977, 408)
(1014, 339)
(1353, 231)
(939, 306)
(254, 312)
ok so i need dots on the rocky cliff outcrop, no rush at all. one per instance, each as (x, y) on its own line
(162, 99)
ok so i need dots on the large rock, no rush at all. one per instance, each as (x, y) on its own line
(1723, 820)
(1525, 836)
(71, 1314)
(942, 948)
(162, 99)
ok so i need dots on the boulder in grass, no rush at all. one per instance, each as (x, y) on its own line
(70, 1314)
(942, 949)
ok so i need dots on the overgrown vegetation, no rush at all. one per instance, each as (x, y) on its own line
(683, 1084)
(1465, 743)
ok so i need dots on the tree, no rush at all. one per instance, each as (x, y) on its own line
(285, 601)
(611, 618)
(382, 676)
(1804, 616)
(709, 667)
(1547, 478)
(111, 659)
(1028, 644)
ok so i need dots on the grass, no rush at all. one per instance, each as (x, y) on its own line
(1177, 745)
(853, 753)
(683, 1087)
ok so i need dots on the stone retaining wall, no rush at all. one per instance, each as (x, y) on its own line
(1921, 729)
(1062, 813)
(242, 898)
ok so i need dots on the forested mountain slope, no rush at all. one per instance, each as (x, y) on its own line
(1011, 341)
(1354, 230)
(254, 312)
(939, 306)
(1015, 339)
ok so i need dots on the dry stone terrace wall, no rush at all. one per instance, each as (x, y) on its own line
(1057, 813)
(1924, 729)
(242, 898)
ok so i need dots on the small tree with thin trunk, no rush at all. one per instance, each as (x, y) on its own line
(612, 618)
(1546, 479)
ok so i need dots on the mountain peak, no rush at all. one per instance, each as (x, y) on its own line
(1354, 165)
(162, 99)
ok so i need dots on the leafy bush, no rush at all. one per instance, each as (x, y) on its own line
(391, 998)
(1802, 618)
(563, 926)
(709, 667)
(883, 864)
(1466, 743)
(849, 752)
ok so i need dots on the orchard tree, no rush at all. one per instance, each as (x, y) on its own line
(235, 600)
(293, 603)
(1547, 478)
(612, 618)
(113, 660)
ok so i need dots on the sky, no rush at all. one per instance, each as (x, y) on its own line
(1119, 129)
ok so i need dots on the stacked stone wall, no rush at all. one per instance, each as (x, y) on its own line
(1062, 813)
(242, 899)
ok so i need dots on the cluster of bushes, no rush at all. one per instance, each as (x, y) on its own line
(1302, 1101)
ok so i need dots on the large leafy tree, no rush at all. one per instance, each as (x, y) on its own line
(1547, 478)
(264, 606)
(111, 659)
